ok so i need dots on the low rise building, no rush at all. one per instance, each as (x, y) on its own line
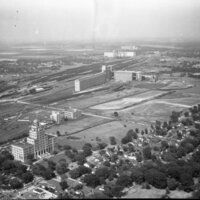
(56, 116)
(72, 113)
(126, 76)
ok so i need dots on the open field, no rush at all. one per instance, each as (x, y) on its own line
(104, 131)
(137, 192)
(149, 112)
(73, 126)
(126, 102)
(101, 97)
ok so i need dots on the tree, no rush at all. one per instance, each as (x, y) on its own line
(51, 165)
(58, 133)
(137, 176)
(147, 153)
(61, 168)
(103, 172)
(113, 190)
(102, 145)
(80, 158)
(48, 174)
(116, 114)
(186, 180)
(156, 178)
(64, 185)
(27, 177)
(126, 139)
(112, 140)
(174, 116)
(124, 181)
(16, 184)
(91, 180)
(172, 183)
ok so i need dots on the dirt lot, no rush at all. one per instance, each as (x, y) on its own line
(149, 112)
(129, 101)
(101, 97)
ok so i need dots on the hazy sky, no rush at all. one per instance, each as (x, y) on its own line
(60, 20)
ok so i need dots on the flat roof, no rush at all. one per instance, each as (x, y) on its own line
(22, 144)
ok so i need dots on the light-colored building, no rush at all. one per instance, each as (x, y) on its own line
(110, 54)
(126, 76)
(38, 143)
(72, 113)
(57, 116)
(21, 150)
(93, 80)
(42, 142)
(119, 54)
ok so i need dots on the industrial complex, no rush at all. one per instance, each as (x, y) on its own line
(107, 74)
(94, 80)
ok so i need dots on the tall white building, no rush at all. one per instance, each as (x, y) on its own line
(42, 142)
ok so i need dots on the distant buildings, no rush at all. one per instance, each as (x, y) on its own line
(38, 143)
(119, 54)
(126, 76)
(56, 116)
(94, 80)
(132, 48)
(71, 113)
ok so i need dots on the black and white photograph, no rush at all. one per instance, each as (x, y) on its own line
(99, 99)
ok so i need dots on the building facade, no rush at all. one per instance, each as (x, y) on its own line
(42, 143)
(72, 113)
(21, 150)
(93, 80)
(57, 116)
(126, 76)
(119, 54)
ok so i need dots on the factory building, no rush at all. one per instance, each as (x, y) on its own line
(119, 54)
(126, 76)
(21, 150)
(94, 80)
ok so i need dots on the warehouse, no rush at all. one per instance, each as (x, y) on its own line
(94, 80)
(126, 76)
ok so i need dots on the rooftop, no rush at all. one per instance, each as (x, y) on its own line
(22, 144)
